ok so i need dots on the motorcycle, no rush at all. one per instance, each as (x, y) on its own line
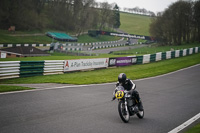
(128, 105)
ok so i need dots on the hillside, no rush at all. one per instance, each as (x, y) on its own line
(38, 37)
(130, 23)
(135, 24)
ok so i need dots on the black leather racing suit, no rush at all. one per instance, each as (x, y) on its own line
(130, 86)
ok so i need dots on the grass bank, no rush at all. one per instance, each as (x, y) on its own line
(58, 56)
(40, 38)
(135, 24)
(111, 74)
(154, 48)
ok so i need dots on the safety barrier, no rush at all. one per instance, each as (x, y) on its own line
(74, 46)
(14, 69)
(9, 69)
(25, 45)
(53, 67)
(31, 68)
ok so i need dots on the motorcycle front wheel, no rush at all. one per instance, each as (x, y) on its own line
(123, 113)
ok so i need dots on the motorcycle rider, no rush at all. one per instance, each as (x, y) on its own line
(129, 86)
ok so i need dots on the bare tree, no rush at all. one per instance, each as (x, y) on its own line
(105, 14)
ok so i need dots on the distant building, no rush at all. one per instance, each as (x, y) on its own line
(21, 52)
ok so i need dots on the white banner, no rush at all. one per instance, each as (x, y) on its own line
(76, 65)
(3, 55)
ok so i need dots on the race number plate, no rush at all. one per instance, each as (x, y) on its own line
(119, 94)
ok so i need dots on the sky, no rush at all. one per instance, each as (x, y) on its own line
(151, 5)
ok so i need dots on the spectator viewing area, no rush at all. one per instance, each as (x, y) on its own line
(61, 37)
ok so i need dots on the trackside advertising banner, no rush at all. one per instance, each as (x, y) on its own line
(122, 61)
(76, 65)
(96, 32)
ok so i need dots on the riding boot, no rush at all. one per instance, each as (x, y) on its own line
(140, 105)
(137, 96)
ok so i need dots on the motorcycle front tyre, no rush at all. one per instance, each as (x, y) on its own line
(123, 113)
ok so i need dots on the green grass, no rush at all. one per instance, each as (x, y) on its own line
(110, 74)
(6, 88)
(195, 129)
(135, 24)
(57, 56)
(152, 49)
(7, 37)
(88, 39)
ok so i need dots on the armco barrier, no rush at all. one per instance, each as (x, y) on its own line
(139, 59)
(14, 69)
(146, 58)
(163, 56)
(25, 45)
(31, 68)
(53, 67)
(9, 69)
(159, 56)
(74, 46)
(152, 57)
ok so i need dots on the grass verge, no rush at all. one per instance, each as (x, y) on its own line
(7, 88)
(111, 74)
(154, 48)
(195, 129)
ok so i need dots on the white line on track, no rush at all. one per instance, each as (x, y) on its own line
(185, 124)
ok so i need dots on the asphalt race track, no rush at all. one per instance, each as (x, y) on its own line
(169, 101)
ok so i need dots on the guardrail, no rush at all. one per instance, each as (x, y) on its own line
(74, 46)
(15, 69)
(9, 69)
(53, 67)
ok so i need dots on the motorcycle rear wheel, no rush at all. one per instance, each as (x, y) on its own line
(123, 113)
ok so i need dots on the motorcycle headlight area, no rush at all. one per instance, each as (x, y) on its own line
(119, 94)
(128, 95)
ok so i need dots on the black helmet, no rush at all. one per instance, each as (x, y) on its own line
(122, 78)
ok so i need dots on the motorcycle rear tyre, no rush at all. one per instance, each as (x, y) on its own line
(125, 118)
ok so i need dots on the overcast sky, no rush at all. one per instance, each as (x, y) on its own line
(151, 5)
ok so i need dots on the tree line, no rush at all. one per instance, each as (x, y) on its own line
(141, 11)
(66, 15)
(179, 23)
